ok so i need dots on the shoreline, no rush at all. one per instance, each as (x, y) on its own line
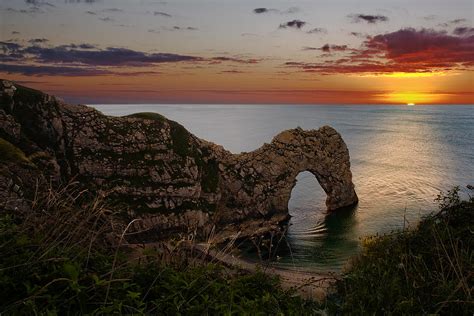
(310, 285)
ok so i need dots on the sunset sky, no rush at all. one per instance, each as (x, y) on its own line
(241, 51)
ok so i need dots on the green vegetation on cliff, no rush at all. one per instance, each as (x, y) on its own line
(11, 153)
(427, 270)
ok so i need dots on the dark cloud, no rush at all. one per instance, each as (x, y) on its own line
(30, 70)
(88, 54)
(233, 71)
(39, 3)
(291, 10)
(112, 10)
(108, 57)
(406, 50)
(297, 24)
(186, 28)
(159, 13)
(30, 10)
(430, 17)
(38, 40)
(10, 47)
(357, 34)
(457, 21)
(318, 30)
(452, 23)
(83, 1)
(464, 31)
(371, 19)
(107, 19)
(262, 10)
(327, 48)
(234, 60)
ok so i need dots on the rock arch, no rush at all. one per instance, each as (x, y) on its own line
(258, 184)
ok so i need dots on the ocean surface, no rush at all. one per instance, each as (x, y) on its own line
(401, 158)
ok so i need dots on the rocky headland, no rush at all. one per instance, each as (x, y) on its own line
(153, 170)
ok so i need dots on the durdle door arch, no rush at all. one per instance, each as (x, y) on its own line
(258, 184)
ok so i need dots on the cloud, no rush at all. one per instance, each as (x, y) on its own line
(107, 19)
(30, 10)
(30, 70)
(464, 31)
(371, 19)
(159, 13)
(358, 34)
(234, 60)
(249, 34)
(39, 3)
(91, 12)
(112, 10)
(38, 40)
(88, 54)
(291, 10)
(452, 22)
(457, 21)
(186, 28)
(329, 48)
(232, 72)
(405, 50)
(263, 10)
(317, 30)
(297, 24)
(89, 60)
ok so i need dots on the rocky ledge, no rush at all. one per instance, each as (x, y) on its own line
(152, 169)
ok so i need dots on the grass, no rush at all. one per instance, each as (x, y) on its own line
(66, 256)
(10, 153)
(427, 270)
(148, 116)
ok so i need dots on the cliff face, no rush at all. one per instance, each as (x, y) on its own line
(155, 170)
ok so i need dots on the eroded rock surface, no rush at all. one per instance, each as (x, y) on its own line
(155, 170)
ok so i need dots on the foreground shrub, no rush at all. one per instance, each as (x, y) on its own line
(421, 271)
(63, 259)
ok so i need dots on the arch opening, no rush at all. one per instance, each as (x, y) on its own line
(307, 198)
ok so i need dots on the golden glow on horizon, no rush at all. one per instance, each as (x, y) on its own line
(411, 98)
(406, 74)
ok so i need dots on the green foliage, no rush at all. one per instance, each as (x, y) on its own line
(210, 176)
(180, 137)
(422, 271)
(10, 153)
(59, 264)
(148, 116)
(27, 95)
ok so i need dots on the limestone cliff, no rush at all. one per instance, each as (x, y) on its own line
(153, 169)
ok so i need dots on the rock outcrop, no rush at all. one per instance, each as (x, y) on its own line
(153, 169)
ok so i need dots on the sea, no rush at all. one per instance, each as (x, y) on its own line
(402, 157)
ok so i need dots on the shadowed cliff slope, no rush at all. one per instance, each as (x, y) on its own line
(153, 169)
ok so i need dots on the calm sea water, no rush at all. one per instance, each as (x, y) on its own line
(401, 158)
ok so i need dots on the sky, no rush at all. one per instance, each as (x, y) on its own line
(241, 51)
